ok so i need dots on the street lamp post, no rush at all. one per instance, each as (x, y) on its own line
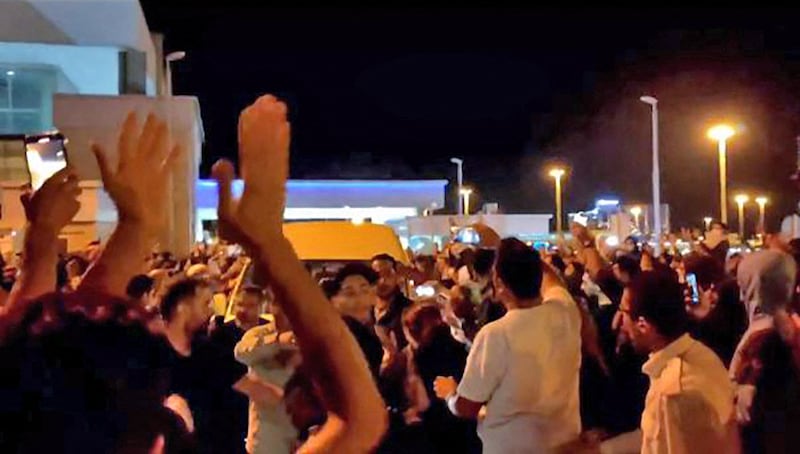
(721, 133)
(466, 193)
(557, 173)
(636, 212)
(460, 165)
(171, 57)
(762, 209)
(656, 177)
(741, 199)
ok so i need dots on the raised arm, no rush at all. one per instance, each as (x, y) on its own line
(357, 414)
(47, 210)
(587, 251)
(138, 188)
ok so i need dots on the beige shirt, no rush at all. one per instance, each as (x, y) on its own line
(526, 368)
(689, 407)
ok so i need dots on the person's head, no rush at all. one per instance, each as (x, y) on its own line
(356, 296)
(142, 288)
(558, 263)
(250, 306)
(653, 311)
(188, 303)
(121, 410)
(718, 226)
(517, 273)
(484, 260)
(388, 280)
(630, 245)
(626, 268)
(767, 282)
(732, 263)
(420, 322)
(467, 257)
(302, 402)
(707, 270)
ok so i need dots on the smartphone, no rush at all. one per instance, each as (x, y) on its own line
(45, 154)
(425, 291)
(691, 281)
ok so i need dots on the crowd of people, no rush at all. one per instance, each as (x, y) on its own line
(501, 349)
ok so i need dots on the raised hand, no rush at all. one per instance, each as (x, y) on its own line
(53, 206)
(138, 186)
(264, 162)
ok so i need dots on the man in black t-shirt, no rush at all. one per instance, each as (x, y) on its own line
(391, 302)
(203, 371)
(353, 294)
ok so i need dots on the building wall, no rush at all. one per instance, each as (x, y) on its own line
(88, 225)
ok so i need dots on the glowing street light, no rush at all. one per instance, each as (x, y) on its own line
(636, 212)
(721, 133)
(740, 200)
(465, 193)
(762, 209)
(556, 173)
(171, 57)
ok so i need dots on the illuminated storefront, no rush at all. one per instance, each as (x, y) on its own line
(378, 201)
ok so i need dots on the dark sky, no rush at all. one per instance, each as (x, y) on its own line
(380, 93)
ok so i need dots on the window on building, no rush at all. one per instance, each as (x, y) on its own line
(26, 99)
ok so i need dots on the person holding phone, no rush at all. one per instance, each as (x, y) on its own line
(718, 317)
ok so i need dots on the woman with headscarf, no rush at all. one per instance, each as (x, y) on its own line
(768, 380)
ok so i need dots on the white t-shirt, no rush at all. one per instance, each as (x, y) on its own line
(526, 368)
(269, 430)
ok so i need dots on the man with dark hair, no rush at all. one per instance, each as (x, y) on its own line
(490, 309)
(390, 304)
(204, 372)
(716, 242)
(626, 267)
(247, 314)
(524, 367)
(141, 288)
(689, 407)
(355, 299)
(719, 318)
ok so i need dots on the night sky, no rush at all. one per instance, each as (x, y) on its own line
(394, 93)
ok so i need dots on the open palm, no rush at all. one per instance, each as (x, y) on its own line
(139, 184)
(264, 162)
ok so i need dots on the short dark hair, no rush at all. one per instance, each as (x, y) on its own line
(484, 259)
(716, 223)
(657, 296)
(177, 293)
(707, 269)
(629, 264)
(125, 363)
(356, 269)
(385, 258)
(254, 290)
(558, 263)
(139, 285)
(420, 319)
(329, 287)
(519, 267)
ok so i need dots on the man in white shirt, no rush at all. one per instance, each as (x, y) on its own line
(524, 367)
(690, 404)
